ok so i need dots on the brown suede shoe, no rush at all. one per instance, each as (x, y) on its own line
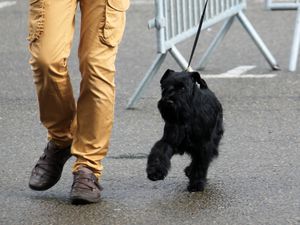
(85, 188)
(48, 168)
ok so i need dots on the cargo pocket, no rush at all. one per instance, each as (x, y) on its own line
(36, 19)
(115, 18)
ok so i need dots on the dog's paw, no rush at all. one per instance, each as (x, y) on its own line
(157, 169)
(155, 173)
(196, 186)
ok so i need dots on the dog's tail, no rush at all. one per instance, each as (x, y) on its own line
(219, 131)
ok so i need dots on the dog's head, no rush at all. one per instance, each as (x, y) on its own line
(178, 90)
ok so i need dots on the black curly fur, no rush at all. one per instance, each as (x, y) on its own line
(193, 124)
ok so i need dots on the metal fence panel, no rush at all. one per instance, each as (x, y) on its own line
(179, 19)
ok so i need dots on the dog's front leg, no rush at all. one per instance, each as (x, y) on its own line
(159, 161)
(197, 170)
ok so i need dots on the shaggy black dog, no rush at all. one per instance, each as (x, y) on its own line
(193, 125)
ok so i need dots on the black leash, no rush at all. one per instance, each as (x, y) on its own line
(197, 35)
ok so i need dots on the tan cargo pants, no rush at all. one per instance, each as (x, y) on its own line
(86, 125)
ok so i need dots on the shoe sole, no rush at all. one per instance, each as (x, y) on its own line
(44, 188)
(77, 200)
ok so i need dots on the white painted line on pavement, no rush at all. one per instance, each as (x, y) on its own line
(240, 76)
(7, 4)
(141, 2)
(239, 72)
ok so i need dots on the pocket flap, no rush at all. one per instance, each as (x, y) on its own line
(119, 5)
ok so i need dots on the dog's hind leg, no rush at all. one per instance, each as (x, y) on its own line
(159, 161)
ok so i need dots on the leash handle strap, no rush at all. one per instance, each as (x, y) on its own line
(198, 34)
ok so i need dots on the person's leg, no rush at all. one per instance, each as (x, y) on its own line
(51, 28)
(102, 27)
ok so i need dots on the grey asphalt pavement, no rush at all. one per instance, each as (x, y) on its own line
(255, 180)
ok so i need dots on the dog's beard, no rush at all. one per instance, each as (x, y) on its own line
(174, 111)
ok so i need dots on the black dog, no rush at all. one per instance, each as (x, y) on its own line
(193, 124)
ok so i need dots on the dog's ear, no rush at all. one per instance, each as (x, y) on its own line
(197, 78)
(166, 74)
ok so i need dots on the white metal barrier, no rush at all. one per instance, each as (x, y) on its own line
(177, 20)
(289, 5)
